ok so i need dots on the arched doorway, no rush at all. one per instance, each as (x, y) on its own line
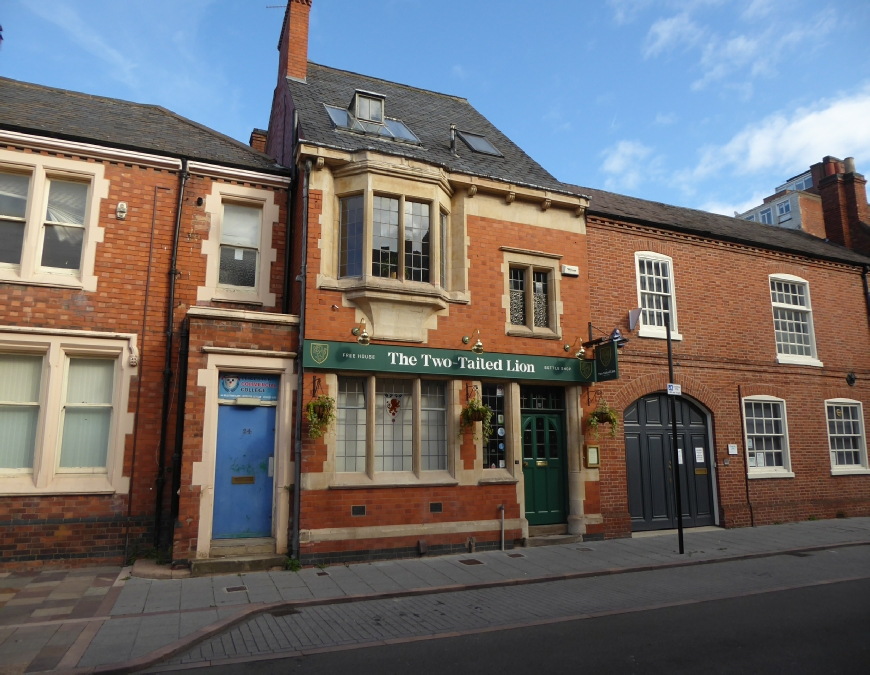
(650, 475)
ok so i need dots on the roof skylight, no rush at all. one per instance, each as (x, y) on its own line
(389, 128)
(478, 143)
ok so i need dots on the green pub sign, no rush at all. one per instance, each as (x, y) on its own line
(390, 359)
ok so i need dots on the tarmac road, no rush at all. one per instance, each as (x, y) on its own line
(815, 629)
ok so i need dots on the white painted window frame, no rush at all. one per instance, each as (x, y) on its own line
(226, 193)
(761, 214)
(56, 348)
(768, 472)
(795, 359)
(657, 331)
(847, 470)
(42, 169)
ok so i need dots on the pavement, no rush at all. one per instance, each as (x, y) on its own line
(101, 620)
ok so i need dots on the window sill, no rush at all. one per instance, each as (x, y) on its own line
(49, 281)
(647, 332)
(497, 477)
(753, 475)
(857, 471)
(22, 484)
(793, 360)
(392, 479)
(537, 333)
(222, 294)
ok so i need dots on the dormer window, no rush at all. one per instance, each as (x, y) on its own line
(369, 107)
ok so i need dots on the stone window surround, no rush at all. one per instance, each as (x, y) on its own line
(56, 346)
(222, 193)
(40, 168)
(203, 471)
(534, 261)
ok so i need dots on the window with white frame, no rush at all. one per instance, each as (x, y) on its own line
(766, 434)
(655, 294)
(408, 428)
(49, 219)
(793, 320)
(62, 419)
(783, 209)
(846, 435)
(240, 246)
(766, 217)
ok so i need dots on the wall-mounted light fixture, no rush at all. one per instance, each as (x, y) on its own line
(477, 348)
(581, 350)
(361, 334)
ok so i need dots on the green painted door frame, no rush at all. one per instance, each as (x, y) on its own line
(545, 468)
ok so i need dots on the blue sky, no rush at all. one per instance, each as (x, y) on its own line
(701, 103)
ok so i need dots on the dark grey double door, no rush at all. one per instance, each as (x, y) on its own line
(650, 469)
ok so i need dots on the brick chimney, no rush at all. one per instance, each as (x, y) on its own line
(844, 202)
(258, 139)
(293, 44)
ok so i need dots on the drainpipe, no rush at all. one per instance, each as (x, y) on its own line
(167, 367)
(183, 350)
(288, 243)
(745, 453)
(864, 273)
(297, 444)
(501, 510)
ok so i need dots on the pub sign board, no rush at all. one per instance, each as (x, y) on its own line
(606, 362)
(389, 359)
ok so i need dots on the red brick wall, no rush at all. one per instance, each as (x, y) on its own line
(118, 305)
(728, 351)
(812, 218)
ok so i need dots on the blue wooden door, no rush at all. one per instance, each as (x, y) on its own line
(243, 475)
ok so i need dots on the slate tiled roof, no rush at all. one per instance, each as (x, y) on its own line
(428, 114)
(715, 226)
(45, 111)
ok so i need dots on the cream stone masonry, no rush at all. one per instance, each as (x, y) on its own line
(225, 193)
(410, 530)
(203, 473)
(56, 347)
(40, 169)
(533, 261)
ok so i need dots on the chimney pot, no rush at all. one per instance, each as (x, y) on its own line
(849, 164)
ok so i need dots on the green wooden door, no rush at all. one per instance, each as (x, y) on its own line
(544, 468)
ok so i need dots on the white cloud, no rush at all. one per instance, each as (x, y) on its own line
(626, 11)
(729, 208)
(66, 18)
(788, 143)
(628, 163)
(664, 120)
(459, 71)
(665, 34)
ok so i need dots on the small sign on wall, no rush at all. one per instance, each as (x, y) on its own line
(593, 457)
(234, 386)
(732, 448)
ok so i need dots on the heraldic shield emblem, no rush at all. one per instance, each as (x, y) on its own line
(605, 353)
(319, 352)
(586, 369)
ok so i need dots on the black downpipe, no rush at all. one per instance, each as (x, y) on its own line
(864, 273)
(297, 443)
(167, 367)
(288, 243)
(183, 348)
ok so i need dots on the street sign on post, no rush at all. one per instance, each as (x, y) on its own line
(675, 390)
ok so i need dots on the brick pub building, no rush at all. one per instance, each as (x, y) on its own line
(430, 263)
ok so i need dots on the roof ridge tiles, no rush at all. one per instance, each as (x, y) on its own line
(390, 82)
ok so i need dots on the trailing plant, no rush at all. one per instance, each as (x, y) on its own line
(320, 412)
(475, 411)
(603, 414)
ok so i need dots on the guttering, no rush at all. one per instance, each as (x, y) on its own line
(297, 443)
(167, 367)
(864, 272)
(241, 175)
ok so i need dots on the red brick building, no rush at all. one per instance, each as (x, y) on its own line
(117, 223)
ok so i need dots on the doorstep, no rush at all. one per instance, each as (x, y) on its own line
(235, 564)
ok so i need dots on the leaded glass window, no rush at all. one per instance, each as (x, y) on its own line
(541, 299)
(417, 239)
(766, 438)
(433, 426)
(518, 296)
(385, 237)
(494, 450)
(394, 425)
(791, 318)
(350, 257)
(845, 434)
(656, 287)
(350, 427)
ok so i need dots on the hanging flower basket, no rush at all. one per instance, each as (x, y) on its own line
(320, 412)
(603, 414)
(475, 411)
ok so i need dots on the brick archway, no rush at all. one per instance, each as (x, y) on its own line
(647, 384)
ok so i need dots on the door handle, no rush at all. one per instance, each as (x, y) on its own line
(525, 465)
